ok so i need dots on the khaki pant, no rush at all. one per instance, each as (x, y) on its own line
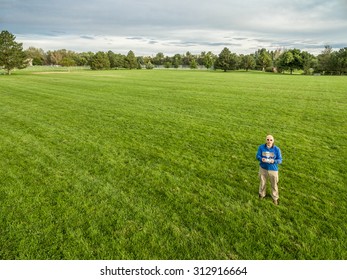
(273, 176)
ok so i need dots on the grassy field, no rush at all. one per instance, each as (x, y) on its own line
(161, 165)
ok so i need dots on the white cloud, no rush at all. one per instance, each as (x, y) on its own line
(151, 26)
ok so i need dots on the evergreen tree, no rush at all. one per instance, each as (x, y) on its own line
(226, 60)
(341, 61)
(100, 61)
(11, 53)
(131, 61)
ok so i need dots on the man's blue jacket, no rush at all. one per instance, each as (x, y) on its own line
(269, 153)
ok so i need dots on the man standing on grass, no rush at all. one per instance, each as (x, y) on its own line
(269, 157)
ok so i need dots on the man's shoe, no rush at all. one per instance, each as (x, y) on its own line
(261, 197)
(276, 202)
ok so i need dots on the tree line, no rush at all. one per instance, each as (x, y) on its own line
(281, 60)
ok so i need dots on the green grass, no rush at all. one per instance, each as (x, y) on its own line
(161, 165)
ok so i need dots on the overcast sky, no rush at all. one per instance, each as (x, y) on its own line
(176, 26)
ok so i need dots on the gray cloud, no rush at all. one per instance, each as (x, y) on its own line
(87, 37)
(194, 24)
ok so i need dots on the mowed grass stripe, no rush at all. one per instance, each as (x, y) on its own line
(160, 165)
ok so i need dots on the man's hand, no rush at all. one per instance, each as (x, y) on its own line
(267, 160)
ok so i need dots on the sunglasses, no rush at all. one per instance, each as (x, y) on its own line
(269, 140)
